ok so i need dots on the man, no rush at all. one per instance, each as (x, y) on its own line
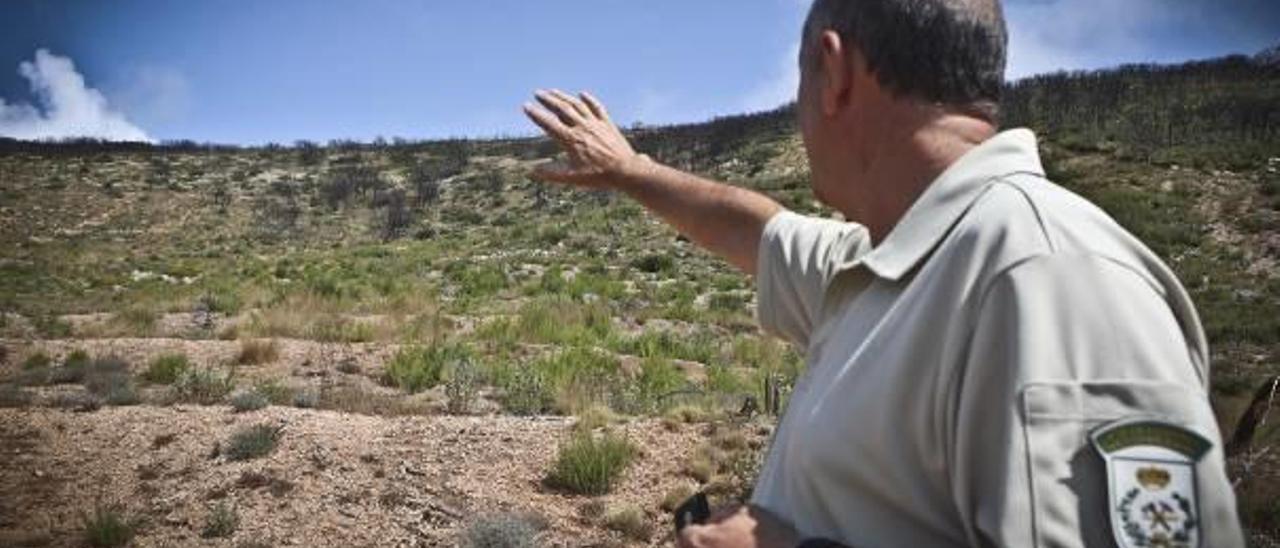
(992, 361)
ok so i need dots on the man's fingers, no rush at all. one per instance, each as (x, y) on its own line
(596, 106)
(548, 122)
(550, 170)
(574, 103)
(565, 111)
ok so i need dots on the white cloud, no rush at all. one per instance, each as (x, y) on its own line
(66, 106)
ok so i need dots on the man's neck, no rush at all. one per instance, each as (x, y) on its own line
(904, 163)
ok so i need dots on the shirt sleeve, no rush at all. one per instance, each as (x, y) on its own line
(797, 257)
(1061, 345)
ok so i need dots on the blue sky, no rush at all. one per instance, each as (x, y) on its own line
(241, 71)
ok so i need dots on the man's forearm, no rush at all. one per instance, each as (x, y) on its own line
(724, 219)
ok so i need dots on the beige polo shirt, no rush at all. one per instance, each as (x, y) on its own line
(957, 369)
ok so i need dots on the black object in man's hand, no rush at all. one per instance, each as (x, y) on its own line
(694, 511)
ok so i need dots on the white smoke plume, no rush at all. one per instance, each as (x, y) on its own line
(65, 107)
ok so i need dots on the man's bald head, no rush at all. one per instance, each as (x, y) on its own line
(950, 52)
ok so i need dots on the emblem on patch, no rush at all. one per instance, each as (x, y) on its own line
(1151, 482)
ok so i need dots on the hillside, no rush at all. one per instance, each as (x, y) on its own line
(429, 329)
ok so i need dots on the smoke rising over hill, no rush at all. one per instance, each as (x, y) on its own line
(66, 106)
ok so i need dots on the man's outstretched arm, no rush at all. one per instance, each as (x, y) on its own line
(724, 219)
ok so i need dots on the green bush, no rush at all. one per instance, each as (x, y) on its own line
(723, 380)
(578, 377)
(37, 360)
(701, 347)
(107, 528)
(476, 280)
(276, 393)
(726, 302)
(558, 320)
(418, 368)
(591, 465)
(203, 386)
(76, 359)
(645, 394)
(526, 393)
(655, 263)
(166, 369)
(253, 442)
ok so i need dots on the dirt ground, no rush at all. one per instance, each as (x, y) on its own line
(334, 480)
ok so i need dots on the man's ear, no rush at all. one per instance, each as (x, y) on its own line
(837, 81)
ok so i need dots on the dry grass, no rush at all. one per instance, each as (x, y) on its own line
(631, 521)
(258, 351)
(312, 317)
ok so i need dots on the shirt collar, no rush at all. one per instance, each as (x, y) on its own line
(945, 200)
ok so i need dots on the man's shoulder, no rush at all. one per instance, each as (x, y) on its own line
(1025, 215)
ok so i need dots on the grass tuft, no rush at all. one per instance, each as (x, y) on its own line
(107, 528)
(203, 386)
(505, 530)
(591, 465)
(253, 442)
(221, 522)
(630, 521)
(417, 368)
(166, 369)
(37, 360)
(249, 400)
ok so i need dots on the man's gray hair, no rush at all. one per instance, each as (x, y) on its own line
(950, 52)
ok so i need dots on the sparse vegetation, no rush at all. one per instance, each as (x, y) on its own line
(546, 300)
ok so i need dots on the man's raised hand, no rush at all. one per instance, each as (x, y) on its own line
(598, 154)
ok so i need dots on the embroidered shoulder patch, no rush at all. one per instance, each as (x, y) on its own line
(1151, 482)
